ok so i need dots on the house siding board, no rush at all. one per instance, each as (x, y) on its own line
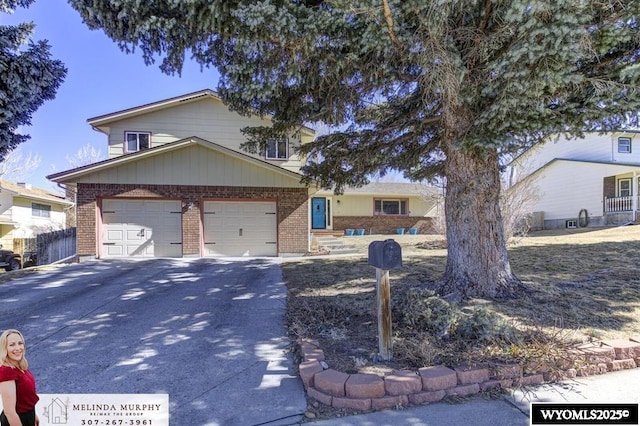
(207, 118)
(292, 211)
(193, 165)
(566, 187)
(6, 236)
(22, 213)
(627, 157)
(593, 147)
(6, 202)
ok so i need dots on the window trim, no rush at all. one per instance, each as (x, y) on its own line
(40, 208)
(628, 143)
(619, 187)
(135, 132)
(276, 141)
(400, 202)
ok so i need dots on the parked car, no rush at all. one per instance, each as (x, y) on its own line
(9, 260)
(29, 258)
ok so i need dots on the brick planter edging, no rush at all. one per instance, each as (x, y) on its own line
(370, 392)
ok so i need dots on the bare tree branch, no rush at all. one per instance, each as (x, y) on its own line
(389, 19)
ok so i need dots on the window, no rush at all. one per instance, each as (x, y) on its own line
(137, 141)
(624, 188)
(390, 207)
(624, 145)
(40, 210)
(277, 148)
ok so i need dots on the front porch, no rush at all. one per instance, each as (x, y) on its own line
(620, 210)
(621, 200)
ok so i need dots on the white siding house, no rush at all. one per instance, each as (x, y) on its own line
(592, 181)
(26, 211)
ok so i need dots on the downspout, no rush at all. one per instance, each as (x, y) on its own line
(634, 199)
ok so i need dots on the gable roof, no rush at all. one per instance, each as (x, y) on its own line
(548, 139)
(624, 166)
(101, 122)
(27, 191)
(68, 176)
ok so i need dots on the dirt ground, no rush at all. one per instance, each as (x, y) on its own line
(581, 285)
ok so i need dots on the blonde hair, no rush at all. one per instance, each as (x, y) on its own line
(4, 353)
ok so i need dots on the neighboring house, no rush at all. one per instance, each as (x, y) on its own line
(378, 208)
(26, 211)
(176, 183)
(591, 181)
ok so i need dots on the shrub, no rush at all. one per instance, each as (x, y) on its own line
(422, 310)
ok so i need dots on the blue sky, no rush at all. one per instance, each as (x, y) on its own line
(100, 79)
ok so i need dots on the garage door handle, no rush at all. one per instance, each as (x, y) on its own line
(240, 233)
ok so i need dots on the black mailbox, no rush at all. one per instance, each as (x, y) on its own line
(385, 254)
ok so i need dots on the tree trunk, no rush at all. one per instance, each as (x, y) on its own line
(477, 261)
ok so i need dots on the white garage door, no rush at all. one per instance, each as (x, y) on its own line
(243, 228)
(141, 228)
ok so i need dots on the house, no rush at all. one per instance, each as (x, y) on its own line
(589, 181)
(177, 184)
(378, 208)
(26, 211)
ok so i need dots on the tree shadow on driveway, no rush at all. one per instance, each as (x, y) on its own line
(208, 332)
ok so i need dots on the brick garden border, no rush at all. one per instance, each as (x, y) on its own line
(370, 392)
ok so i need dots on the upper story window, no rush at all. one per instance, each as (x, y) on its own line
(390, 207)
(40, 210)
(137, 141)
(624, 145)
(277, 148)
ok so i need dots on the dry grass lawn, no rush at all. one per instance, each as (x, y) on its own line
(582, 285)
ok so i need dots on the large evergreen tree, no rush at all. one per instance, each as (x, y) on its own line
(428, 87)
(28, 77)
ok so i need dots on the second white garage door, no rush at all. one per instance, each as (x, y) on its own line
(141, 228)
(242, 228)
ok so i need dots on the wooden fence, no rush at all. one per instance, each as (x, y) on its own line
(49, 247)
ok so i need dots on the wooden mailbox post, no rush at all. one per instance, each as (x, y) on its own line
(384, 255)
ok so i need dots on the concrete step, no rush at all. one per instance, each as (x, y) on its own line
(335, 246)
(344, 250)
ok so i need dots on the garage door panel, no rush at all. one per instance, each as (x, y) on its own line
(142, 228)
(240, 228)
(114, 235)
(113, 250)
(133, 233)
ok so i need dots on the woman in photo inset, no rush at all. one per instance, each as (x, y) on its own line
(17, 384)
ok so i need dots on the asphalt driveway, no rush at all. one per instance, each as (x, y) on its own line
(208, 332)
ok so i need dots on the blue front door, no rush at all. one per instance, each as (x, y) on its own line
(318, 213)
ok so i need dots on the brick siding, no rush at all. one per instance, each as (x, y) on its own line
(383, 224)
(292, 208)
(609, 186)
